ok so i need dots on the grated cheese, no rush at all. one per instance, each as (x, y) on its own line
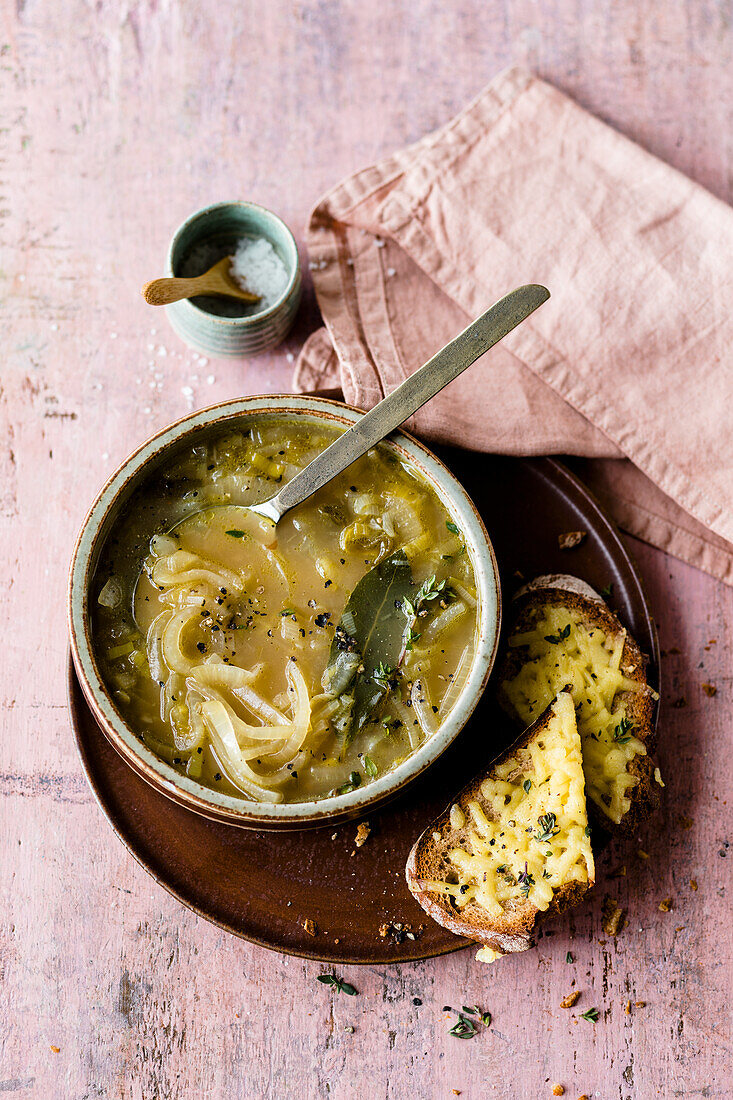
(590, 662)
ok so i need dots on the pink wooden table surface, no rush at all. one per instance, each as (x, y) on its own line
(119, 118)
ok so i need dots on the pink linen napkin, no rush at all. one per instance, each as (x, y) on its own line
(629, 362)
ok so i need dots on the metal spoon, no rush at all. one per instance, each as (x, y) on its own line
(218, 281)
(398, 406)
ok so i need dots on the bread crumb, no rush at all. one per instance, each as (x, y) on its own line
(570, 1000)
(571, 539)
(693, 884)
(658, 777)
(363, 830)
(558, 1090)
(612, 917)
(710, 690)
(627, 1008)
(456, 1092)
(56, 1050)
(488, 955)
(310, 926)
(665, 906)
(618, 872)
(639, 1004)
(642, 854)
(686, 822)
(585, 1096)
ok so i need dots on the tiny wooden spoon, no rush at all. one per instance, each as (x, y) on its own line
(218, 281)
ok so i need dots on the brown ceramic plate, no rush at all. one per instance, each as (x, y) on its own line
(263, 886)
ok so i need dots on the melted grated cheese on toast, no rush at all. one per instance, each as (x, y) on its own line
(562, 651)
(527, 837)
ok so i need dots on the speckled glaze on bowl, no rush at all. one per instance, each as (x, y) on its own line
(234, 337)
(213, 804)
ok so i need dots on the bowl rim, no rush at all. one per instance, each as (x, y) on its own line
(162, 776)
(187, 306)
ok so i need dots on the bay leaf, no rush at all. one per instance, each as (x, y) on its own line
(372, 626)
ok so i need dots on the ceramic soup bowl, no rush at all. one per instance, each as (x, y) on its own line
(219, 806)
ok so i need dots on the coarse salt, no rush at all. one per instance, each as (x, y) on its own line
(257, 268)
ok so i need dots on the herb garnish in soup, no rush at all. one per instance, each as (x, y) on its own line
(299, 669)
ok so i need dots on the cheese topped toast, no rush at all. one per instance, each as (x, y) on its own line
(514, 844)
(564, 634)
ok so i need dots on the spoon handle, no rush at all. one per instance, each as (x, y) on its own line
(163, 292)
(399, 405)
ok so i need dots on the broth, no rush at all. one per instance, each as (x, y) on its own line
(230, 658)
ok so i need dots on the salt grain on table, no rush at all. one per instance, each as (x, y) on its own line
(257, 268)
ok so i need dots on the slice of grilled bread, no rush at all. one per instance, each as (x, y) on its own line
(564, 634)
(514, 844)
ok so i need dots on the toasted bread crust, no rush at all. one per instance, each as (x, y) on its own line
(514, 929)
(561, 590)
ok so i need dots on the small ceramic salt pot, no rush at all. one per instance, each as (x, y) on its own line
(225, 328)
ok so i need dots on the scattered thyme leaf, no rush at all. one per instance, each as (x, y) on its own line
(474, 1010)
(555, 639)
(607, 592)
(236, 533)
(354, 781)
(569, 958)
(453, 528)
(592, 1014)
(370, 767)
(527, 786)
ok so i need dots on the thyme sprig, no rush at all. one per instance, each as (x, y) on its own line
(383, 674)
(621, 733)
(547, 827)
(526, 881)
(338, 984)
(465, 1026)
(431, 589)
